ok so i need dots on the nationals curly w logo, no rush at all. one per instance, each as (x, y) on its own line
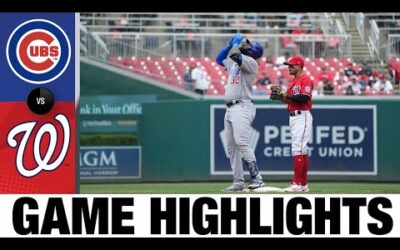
(43, 163)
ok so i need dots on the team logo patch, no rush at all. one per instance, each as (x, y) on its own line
(296, 89)
(38, 51)
(307, 89)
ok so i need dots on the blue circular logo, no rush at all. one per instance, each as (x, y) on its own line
(38, 51)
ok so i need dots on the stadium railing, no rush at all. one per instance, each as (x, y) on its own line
(208, 45)
(346, 18)
(360, 24)
(207, 22)
(92, 45)
(373, 29)
(374, 37)
(393, 46)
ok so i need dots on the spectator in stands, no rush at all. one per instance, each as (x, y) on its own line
(333, 46)
(349, 70)
(188, 77)
(301, 46)
(293, 19)
(124, 25)
(340, 78)
(348, 90)
(324, 74)
(287, 42)
(382, 84)
(321, 79)
(269, 62)
(318, 31)
(365, 75)
(120, 25)
(394, 69)
(271, 22)
(298, 31)
(264, 80)
(123, 20)
(201, 83)
(333, 42)
(280, 60)
(353, 86)
(374, 78)
(327, 87)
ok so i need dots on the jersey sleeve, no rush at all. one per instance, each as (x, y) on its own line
(249, 65)
(228, 62)
(306, 86)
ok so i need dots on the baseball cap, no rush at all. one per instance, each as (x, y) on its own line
(296, 60)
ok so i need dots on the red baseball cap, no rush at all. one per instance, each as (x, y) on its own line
(296, 60)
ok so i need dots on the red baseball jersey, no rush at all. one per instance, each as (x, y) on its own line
(300, 85)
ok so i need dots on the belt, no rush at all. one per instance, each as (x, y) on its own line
(230, 104)
(294, 113)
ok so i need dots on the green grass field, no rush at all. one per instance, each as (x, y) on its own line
(215, 187)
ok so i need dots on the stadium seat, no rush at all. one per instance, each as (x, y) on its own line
(171, 71)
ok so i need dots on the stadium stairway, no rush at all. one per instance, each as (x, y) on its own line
(359, 49)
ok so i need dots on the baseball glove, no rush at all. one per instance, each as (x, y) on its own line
(277, 93)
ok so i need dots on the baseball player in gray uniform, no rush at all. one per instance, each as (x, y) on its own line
(239, 58)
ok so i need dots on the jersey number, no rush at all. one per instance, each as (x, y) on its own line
(235, 80)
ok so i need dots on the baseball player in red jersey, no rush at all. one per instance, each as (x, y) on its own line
(298, 97)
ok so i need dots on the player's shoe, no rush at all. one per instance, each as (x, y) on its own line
(294, 188)
(235, 187)
(256, 182)
(305, 189)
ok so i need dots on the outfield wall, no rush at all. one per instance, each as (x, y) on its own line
(177, 143)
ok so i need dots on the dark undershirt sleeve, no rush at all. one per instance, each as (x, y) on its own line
(298, 98)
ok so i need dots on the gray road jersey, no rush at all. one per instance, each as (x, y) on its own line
(240, 79)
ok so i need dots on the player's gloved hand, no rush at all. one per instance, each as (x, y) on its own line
(237, 40)
(230, 42)
(277, 93)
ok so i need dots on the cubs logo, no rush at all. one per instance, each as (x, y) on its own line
(38, 51)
